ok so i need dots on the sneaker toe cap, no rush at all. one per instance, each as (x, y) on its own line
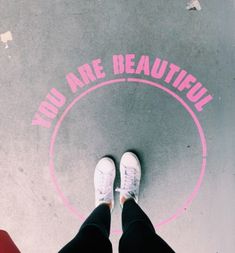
(129, 159)
(106, 165)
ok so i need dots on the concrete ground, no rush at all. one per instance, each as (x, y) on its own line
(51, 39)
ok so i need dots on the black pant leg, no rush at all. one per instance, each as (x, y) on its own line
(100, 217)
(131, 213)
(93, 235)
(139, 235)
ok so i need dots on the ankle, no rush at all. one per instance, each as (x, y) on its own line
(123, 200)
(109, 205)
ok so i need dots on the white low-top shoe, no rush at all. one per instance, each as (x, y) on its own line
(130, 171)
(104, 176)
(194, 5)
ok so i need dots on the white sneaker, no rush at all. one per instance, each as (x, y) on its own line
(194, 5)
(130, 171)
(103, 181)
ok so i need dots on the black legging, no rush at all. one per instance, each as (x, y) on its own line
(138, 233)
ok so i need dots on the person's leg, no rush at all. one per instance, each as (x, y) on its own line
(138, 232)
(132, 213)
(93, 235)
(139, 235)
(100, 217)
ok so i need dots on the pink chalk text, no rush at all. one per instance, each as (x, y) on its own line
(49, 108)
(128, 66)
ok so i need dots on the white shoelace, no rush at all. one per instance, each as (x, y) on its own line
(104, 187)
(128, 187)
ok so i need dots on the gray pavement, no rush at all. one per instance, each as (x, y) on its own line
(51, 39)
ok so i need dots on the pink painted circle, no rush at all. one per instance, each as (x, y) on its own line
(191, 196)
